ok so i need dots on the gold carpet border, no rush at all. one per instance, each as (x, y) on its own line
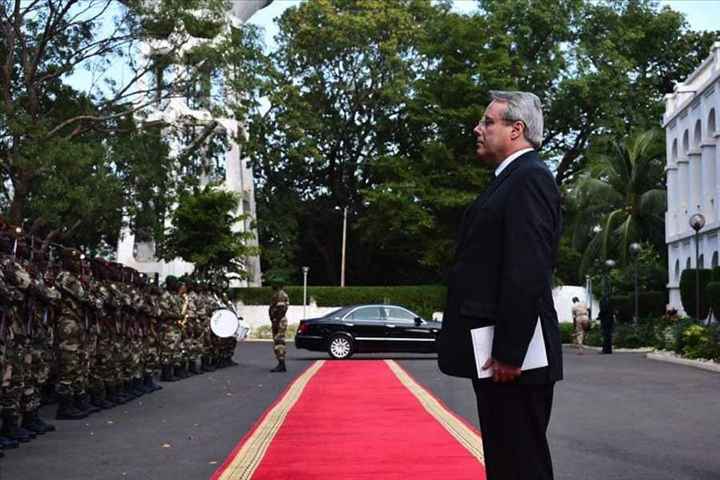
(461, 432)
(247, 460)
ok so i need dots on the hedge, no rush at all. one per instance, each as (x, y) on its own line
(650, 304)
(712, 293)
(422, 299)
(688, 291)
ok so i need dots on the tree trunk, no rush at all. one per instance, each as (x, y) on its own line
(21, 189)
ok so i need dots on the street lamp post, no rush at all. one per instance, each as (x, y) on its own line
(610, 264)
(305, 271)
(697, 222)
(344, 243)
(634, 252)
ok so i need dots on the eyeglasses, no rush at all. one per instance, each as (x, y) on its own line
(486, 122)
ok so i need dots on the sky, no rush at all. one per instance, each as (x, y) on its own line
(701, 14)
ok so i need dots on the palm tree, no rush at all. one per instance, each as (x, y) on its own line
(621, 199)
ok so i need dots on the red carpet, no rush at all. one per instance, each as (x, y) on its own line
(356, 420)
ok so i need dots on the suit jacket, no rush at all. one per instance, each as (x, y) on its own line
(502, 273)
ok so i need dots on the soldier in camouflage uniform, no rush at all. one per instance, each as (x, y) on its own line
(114, 379)
(102, 377)
(170, 334)
(18, 359)
(278, 308)
(41, 301)
(132, 360)
(151, 346)
(193, 312)
(70, 334)
(11, 351)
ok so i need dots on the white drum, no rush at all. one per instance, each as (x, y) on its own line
(224, 323)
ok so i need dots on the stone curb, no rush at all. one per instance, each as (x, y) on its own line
(666, 357)
(618, 350)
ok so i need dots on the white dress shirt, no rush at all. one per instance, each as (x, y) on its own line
(509, 160)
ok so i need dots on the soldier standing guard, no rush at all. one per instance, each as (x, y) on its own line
(278, 308)
(70, 338)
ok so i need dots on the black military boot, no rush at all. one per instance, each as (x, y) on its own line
(167, 375)
(82, 402)
(116, 395)
(181, 372)
(12, 430)
(205, 364)
(99, 399)
(122, 392)
(135, 387)
(32, 421)
(194, 368)
(280, 367)
(67, 409)
(149, 383)
(8, 443)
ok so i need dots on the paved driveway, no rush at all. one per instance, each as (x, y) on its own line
(615, 417)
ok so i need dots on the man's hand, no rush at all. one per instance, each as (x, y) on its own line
(501, 371)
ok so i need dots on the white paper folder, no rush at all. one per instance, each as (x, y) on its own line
(482, 340)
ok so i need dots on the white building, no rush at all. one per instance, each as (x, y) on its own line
(693, 170)
(238, 175)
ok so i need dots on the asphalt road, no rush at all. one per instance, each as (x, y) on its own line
(615, 417)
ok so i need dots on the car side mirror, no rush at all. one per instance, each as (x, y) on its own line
(418, 321)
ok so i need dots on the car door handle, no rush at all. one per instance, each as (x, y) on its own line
(349, 324)
(390, 325)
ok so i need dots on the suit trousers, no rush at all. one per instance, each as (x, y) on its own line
(513, 420)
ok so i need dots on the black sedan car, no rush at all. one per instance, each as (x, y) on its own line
(368, 328)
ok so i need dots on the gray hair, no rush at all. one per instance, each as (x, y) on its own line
(525, 107)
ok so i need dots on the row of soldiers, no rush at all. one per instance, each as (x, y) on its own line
(95, 333)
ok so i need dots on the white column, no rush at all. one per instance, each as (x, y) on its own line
(695, 184)
(708, 173)
(683, 194)
(672, 200)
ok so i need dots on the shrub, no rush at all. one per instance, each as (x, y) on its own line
(424, 299)
(566, 332)
(688, 291)
(593, 337)
(712, 293)
(700, 342)
(650, 304)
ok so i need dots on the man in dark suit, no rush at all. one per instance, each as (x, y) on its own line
(502, 276)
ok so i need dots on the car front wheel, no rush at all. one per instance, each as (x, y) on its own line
(340, 347)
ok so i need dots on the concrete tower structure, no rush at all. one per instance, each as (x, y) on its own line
(238, 177)
(693, 171)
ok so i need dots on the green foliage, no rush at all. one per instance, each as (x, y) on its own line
(712, 294)
(701, 342)
(372, 106)
(75, 163)
(623, 193)
(423, 300)
(204, 232)
(688, 292)
(650, 304)
(566, 332)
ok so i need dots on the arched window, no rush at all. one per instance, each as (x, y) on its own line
(711, 122)
(701, 261)
(698, 134)
(686, 141)
(715, 260)
(673, 153)
(677, 270)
